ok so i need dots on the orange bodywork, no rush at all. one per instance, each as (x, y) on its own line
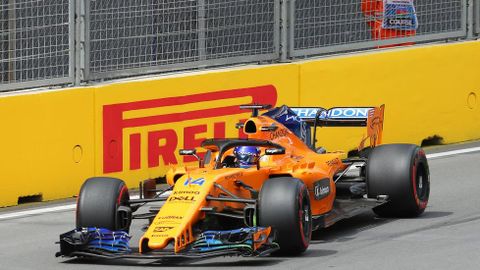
(183, 209)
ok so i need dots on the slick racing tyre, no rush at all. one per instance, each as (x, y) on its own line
(401, 172)
(103, 203)
(284, 204)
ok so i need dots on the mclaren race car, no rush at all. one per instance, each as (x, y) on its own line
(220, 207)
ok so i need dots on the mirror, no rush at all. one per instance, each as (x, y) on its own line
(275, 151)
(192, 152)
(187, 152)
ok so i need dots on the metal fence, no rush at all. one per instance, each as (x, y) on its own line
(35, 43)
(138, 37)
(53, 42)
(327, 26)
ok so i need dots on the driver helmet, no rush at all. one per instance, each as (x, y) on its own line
(246, 156)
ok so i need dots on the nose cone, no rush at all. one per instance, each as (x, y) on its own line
(175, 219)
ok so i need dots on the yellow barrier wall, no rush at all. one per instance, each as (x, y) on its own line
(46, 144)
(427, 91)
(52, 141)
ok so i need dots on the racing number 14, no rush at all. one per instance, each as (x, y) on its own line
(191, 181)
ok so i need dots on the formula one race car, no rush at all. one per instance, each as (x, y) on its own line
(255, 196)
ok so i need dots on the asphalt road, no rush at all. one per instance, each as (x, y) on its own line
(447, 236)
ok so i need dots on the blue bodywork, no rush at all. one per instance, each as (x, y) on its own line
(292, 121)
(100, 242)
(104, 239)
(216, 240)
(95, 239)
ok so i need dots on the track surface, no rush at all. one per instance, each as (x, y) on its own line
(447, 236)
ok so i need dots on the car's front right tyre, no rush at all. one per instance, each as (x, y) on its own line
(103, 203)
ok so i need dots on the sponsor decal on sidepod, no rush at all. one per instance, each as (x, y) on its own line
(321, 189)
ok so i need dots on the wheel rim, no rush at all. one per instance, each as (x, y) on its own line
(305, 219)
(122, 221)
(421, 182)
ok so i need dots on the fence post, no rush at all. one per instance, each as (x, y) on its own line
(470, 18)
(12, 41)
(284, 30)
(202, 53)
(71, 40)
(291, 28)
(81, 40)
(476, 6)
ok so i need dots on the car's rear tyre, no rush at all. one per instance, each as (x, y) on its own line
(103, 203)
(401, 172)
(284, 204)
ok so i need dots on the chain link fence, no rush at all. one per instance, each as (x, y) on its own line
(53, 42)
(35, 43)
(125, 35)
(326, 26)
(138, 37)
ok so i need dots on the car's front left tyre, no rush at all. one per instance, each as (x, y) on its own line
(284, 204)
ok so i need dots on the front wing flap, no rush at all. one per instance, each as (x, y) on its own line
(102, 243)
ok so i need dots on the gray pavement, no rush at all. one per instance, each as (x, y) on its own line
(445, 237)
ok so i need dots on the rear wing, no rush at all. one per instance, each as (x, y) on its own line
(371, 117)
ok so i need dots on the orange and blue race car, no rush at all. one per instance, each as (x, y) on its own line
(255, 196)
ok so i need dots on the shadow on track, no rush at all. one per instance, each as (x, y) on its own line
(346, 230)
(241, 262)
(434, 214)
(343, 231)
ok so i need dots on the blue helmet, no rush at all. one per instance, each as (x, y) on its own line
(246, 156)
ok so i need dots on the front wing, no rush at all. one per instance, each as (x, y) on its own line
(105, 244)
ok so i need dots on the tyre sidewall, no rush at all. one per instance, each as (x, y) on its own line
(392, 170)
(280, 205)
(98, 202)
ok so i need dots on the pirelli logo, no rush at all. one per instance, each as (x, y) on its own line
(163, 143)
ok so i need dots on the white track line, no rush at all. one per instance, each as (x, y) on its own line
(454, 152)
(72, 206)
(38, 211)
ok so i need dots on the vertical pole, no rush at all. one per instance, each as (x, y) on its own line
(476, 17)
(71, 40)
(80, 37)
(12, 44)
(284, 30)
(86, 41)
(291, 28)
(470, 18)
(277, 11)
(202, 51)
